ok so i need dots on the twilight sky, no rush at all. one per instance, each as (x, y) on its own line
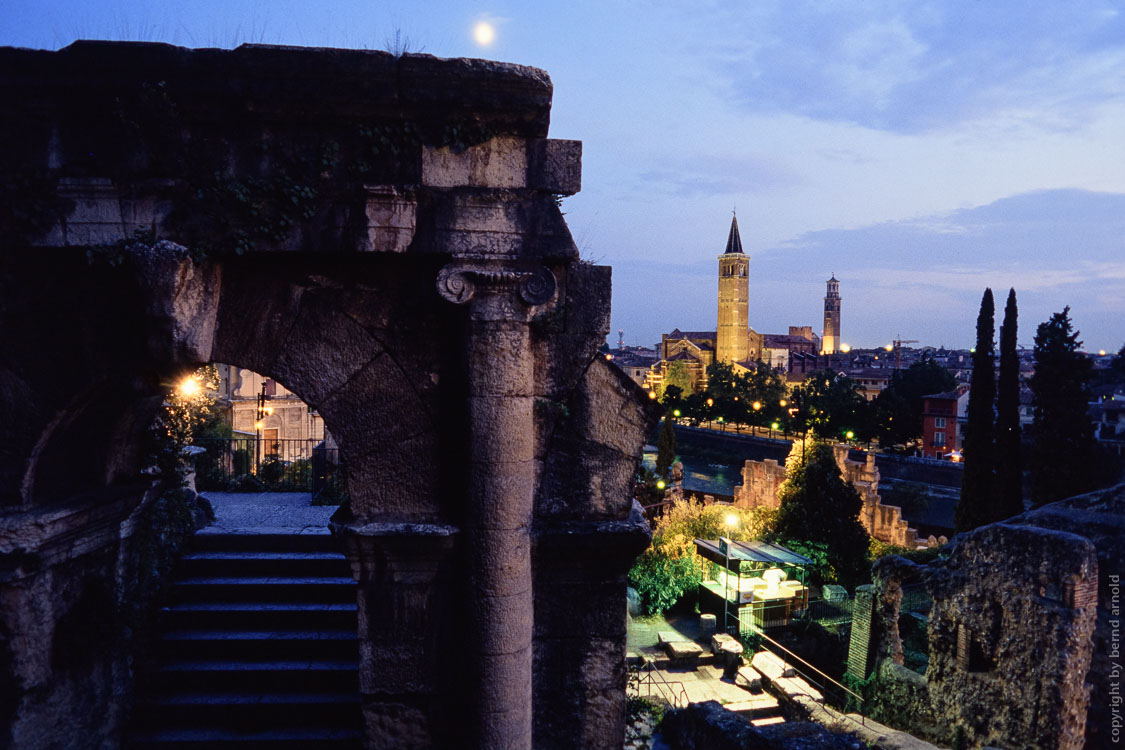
(919, 151)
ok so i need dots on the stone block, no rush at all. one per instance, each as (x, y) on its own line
(749, 678)
(771, 666)
(392, 217)
(386, 485)
(323, 349)
(719, 641)
(555, 166)
(683, 652)
(794, 686)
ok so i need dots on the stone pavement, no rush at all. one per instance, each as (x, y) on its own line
(266, 513)
(700, 683)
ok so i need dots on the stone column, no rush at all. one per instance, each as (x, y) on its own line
(860, 648)
(500, 371)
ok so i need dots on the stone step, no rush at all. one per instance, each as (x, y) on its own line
(297, 675)
(250, 711)
(257, 563)
(265, 589)
(757, 707)
(206, 738)
(258, 649)
(251, 645)
(250, 615)
(205, 541)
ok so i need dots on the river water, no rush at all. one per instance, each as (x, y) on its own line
(710, 475)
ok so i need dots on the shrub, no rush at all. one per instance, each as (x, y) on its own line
(660, 580)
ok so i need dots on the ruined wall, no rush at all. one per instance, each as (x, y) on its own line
(761, 480)
(381, 235)
(1013, 653)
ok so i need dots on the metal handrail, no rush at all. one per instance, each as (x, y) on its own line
(648, 674)
(859, 698)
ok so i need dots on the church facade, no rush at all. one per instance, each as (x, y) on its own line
(734, 341)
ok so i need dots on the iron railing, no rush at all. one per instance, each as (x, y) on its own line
(257, 464)
(834, 691)
(648, 677)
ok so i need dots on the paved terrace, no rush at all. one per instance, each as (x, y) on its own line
(266, 513)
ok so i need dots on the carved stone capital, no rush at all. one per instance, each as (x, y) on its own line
(459, 283)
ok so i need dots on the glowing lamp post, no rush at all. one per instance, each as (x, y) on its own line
(724, 547)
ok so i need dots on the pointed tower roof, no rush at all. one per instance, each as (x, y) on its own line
(734, 242)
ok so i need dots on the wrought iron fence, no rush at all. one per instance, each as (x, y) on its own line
(258, 464)
(831, 612)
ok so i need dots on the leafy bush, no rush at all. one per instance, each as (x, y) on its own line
(670, 568)
(660, 580)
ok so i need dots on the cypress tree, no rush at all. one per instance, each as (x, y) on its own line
(665, 448)
(816, 504)
(1063, 452)
(1009, 463)
(978, 480)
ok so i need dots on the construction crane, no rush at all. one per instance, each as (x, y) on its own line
(897, 347)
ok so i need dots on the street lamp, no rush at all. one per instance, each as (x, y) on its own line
(724, 546)
(189, 387)
(259, 423)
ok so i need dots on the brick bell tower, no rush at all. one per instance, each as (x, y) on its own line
(830, 343)
(731, 343)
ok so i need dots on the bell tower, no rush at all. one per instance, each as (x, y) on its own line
(731, 344)
(830, 343)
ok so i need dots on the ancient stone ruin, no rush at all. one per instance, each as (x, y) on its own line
(381, 235)
(761, 480)
(1021, 632)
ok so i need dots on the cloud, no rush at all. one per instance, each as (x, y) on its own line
(717, 175)
(917, 67)
(1056, 247)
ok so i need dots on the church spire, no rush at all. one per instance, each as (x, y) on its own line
(734, 242)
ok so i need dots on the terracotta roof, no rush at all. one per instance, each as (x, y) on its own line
(691, 335)
(784, 339)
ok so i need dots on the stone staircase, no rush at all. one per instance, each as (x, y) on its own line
(258, 649)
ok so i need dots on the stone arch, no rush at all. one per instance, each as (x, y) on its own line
(412, 278)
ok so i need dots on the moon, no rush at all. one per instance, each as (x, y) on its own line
(484, 33)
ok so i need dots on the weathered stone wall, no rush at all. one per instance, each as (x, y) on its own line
(760, 482)
(1012, 647)
(709, 726)
(380, 235)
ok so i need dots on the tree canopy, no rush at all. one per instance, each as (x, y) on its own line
(830, 403)
(818, 508)
(898, 408)
(1063, 451)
